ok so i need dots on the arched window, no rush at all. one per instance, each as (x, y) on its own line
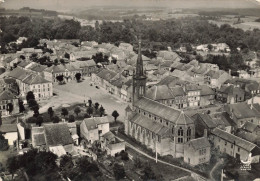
(180, 131)
(188, 131)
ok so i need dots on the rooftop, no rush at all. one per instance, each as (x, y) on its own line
(199, 143)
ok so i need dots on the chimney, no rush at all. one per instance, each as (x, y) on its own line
(252, 102)
(229, 72)
(205, 135)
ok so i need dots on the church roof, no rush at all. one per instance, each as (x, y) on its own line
(159, 92)
(151, 125)
(158, 109)
(183, 119)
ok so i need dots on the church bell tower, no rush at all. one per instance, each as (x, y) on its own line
(139, 78)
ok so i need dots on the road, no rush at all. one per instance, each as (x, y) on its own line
(199, 177)
(214, 168)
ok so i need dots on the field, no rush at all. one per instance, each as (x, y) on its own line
(247, 23)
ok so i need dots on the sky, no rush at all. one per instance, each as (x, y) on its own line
(79, 4)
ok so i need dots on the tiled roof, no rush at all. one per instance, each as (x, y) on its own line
(183, 119)
(231, 89)
(151, 125)
(18, 73)
(7, 95)
(8, 128)
(92, 123)
(248, 136)
(233, 139)
(38, 139)
(109, 135)
(159, 92)
(192, 87)
(199, 143)
(106, 74)
(167, 55)
(158, 109)
(177, 91)
(242, 110)
(206, 90)
(250, 127)
(57, 134)
(35, 79)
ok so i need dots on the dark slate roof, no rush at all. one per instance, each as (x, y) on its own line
(150, 124)
(109, 135)
(248, 136)
(38, 139)
(199, 143)
(206, 119)
(158, 109)
(8, 128)
(57, 134)
(24, 64)
(231, 89)
(7, 95)
(2, 70)
(159, 92)
(233, 139)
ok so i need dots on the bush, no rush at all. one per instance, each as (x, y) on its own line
(124, 155)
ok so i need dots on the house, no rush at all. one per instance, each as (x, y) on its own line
(242, 113)
(168, 55)
(126, 46)
(126, 91)
(87, 55)
(193, 92)
(10, 133)
(9, 84)
(216, 78)
(233, 145)
(207, 95)
(230, 94)
(67, 70)
(251, 128)
(103, 78)
(38, 138)
(92, 129)
(87, 67)
(8, 99)
(223, 121)
(111, 144)
(203, 122)
(58, 139)
(29, 81)
(197, 151)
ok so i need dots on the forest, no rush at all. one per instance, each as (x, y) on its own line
(163, 33)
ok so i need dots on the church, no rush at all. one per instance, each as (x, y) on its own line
(163, 129)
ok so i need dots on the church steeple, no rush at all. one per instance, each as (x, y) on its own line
(139, 63)
(139, 78)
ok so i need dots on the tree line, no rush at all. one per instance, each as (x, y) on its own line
(163, 33)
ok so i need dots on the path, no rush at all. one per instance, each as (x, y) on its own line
(214, 168)
(199, 177)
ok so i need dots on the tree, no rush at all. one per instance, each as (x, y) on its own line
(71, 118)
(77, 110)
(55, 119)
(102, 111)
(87, 115)
(90, 110)
(12, 165)
(124, 155)
(119, 171)
(21, 106)
(62, 61)
(64, 112)
(148, 173)
(39, 121)
(89, 102)
(33, 104)
(3, 143)
(66, 166)
(50, 112)
(60, 78)
(22, 57)
(96, 106)
(30, 96)
(78, 76)
(115, 114)
(1, 119)
(66, 55)
(210, 47)
(36, 112)
(10, 107)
